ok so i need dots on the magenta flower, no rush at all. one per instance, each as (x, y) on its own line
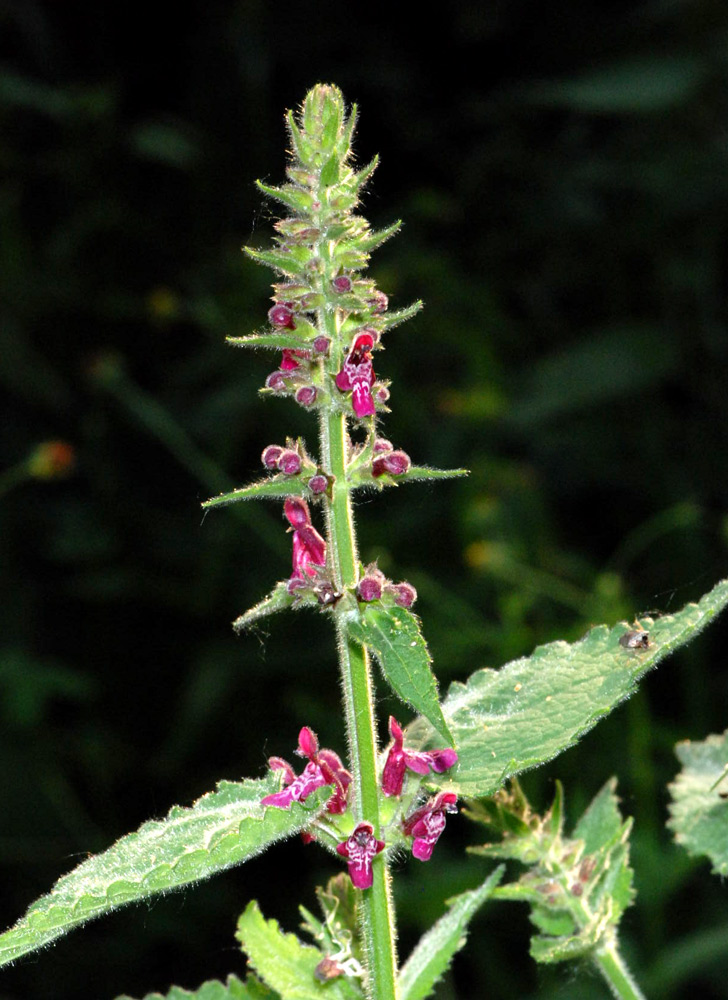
(357, 375)
(399, 759)
(324, 768)
(281, 316)
(427, 823)
(309, 548)
(359, 849)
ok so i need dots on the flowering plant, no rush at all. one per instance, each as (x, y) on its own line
(328, 325)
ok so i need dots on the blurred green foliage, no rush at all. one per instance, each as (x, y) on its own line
(561, 170)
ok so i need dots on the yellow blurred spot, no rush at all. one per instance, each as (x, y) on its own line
(518, 687)
(51, 460)
(163, 304)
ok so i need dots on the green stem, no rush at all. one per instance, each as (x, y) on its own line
(618, 977)
(376, 907)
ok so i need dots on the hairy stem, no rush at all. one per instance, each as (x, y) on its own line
(376, 908)
(614, 970)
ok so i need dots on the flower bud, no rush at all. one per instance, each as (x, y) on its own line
(296, 512)
(318, 483)
(342, 284)
(396, 463)
(321, 345)
(281, 316)
(289, 462)
(306, 395)
(276, 382)
(379, 303)
(270, 456)
(369, 588)
(381, 393)
(404, 594)
(381, 445)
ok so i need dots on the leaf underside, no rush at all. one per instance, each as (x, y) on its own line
(506, 721)
(699, 807)
(223, 828)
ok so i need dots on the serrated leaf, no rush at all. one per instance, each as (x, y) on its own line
(506, 721)
(284, 962)
(602, 820)
(273, 488)
(232, 989)
(699, 808)
(393, 635)
(279, 599)
(223, 828)
(434, 952)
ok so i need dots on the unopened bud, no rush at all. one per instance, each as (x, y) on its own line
(318, 483)
(306, 395)
(379, 303)
(342, 284)
(270, 456)
(396, 463)
(404, 594)
(321, 345)
(381, 445)
(281, 316)
(289, 462)
(381, 393)
(276, 382)
(369, 588)
(296, 512)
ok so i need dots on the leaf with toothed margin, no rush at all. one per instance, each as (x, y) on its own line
(393, 635)
(699, 807)
(279, 599)
(506, 721)
(266, 489)
(435, 951)
(223, 828)
(285, 963)
(232, 989)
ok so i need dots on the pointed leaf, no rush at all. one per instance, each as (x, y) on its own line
(266, 489)
(434, 952)
(284, 962)
(270, 341)
(294, 197)
(278, 600)
(602, 820)
(699, 807)
(506, 721)
(375, 239)
(393, 635)
(223, 828)
(392, 319)
(287, 263)
(415, 473)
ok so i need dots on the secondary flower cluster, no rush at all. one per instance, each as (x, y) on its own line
(374, 585)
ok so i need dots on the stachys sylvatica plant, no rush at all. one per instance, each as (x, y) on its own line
(393, 795)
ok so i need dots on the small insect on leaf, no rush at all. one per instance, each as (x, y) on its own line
(635, 639)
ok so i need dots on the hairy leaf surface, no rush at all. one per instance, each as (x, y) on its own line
(232, 989)
(506, 721)
(393, 635)
(223, 828)
(699, 808)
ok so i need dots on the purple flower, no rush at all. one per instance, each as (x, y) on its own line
(309, 548)
(270, 456)
(342, 284)
(427, 823)
(359, 849)
(404, 594)
(324, 768)
(357, 375)
(399, 759)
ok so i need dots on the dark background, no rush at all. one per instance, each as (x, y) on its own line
(561, 170)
